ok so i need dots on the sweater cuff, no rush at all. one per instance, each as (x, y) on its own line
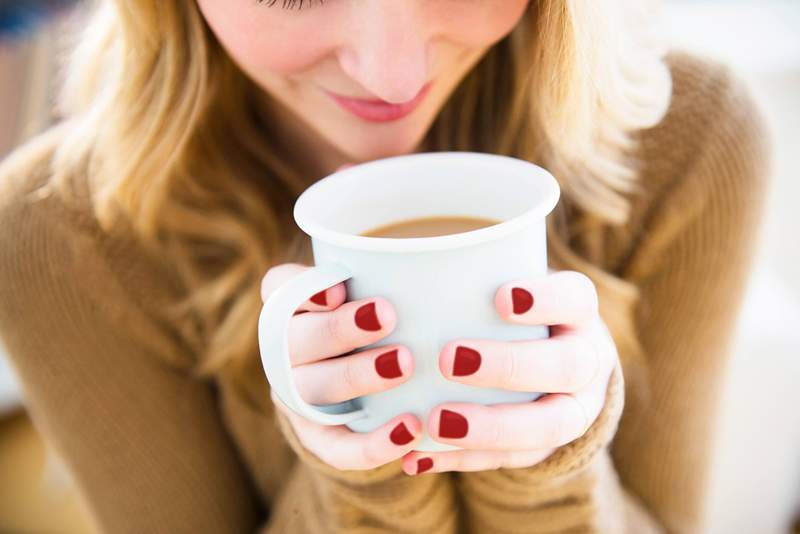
(575, 455)
(352, 477)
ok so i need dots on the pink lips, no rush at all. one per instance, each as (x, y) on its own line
(379, 110)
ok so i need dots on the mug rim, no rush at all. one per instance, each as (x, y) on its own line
(538, 210)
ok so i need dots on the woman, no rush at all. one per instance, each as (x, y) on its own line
(140, 236)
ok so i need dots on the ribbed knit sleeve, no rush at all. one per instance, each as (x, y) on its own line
(691, 266)
(142, 439)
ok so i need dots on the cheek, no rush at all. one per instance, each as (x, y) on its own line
(479, 23)
(262, 41)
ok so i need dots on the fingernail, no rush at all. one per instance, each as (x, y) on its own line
(466, 362)
(387, 365)
(366, 318)
(452, 425)
(320, 298)
(423, 464)
(522, 298)
(400, 435)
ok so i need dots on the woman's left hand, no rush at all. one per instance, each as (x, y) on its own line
(572, 367)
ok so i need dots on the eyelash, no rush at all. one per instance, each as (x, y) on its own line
(291, 4)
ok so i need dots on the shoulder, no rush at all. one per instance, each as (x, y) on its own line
(36, 223)
(713, 130)
(714, 140)
(705, 168)
(29, 213)
(56, 263)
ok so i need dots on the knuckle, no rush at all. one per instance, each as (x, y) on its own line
(583, 281)
(509, 365)
(300, 384)
(337, 331)
(563, 368)
(351, 378)
(578, 365)
(593, 360)
(498, 432)
(588, 293)
(559, 432)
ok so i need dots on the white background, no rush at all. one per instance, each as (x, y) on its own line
(756, 481)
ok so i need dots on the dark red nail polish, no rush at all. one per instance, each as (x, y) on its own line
(400, 435)
(466, 362)
(522, 298)
(452, 425)
(387, 365)
(366, 318)
(320, 298)
(423, 464)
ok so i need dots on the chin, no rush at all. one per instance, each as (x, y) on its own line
(367, 146)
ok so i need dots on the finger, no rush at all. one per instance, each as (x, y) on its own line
(562, 298)
(327, 299)
(344, 378)
(344, 449)
(551, 421)
(315, 336)
(564, 363)
(417, 462)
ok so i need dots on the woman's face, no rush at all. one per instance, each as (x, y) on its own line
(366, 76)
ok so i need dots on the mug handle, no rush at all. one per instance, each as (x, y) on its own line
(273, 340)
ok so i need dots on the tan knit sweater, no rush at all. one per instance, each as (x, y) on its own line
(156, 450)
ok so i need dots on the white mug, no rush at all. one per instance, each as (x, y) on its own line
(442, 288)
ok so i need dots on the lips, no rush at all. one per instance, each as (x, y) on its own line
(379, 110)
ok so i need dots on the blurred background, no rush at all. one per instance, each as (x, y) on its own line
(755, 486)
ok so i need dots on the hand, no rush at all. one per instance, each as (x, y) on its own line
(573, 366)
(322, 329)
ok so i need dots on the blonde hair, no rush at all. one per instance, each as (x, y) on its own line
(168, 131)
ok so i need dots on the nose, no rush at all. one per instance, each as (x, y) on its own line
(387, 49)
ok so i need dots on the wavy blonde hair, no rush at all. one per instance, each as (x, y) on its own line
(168, 131)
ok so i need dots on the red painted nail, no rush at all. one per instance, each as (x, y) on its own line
(320, 298)
(400, 435)
(466, 362)
(423, 464)
(387, 365)
(366, 318)
(522, 298)
(452, 425)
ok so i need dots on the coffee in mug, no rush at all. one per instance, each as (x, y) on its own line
(430, 227)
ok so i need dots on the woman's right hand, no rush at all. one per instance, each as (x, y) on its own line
(321, 331)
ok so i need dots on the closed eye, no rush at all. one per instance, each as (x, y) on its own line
(291, 4)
